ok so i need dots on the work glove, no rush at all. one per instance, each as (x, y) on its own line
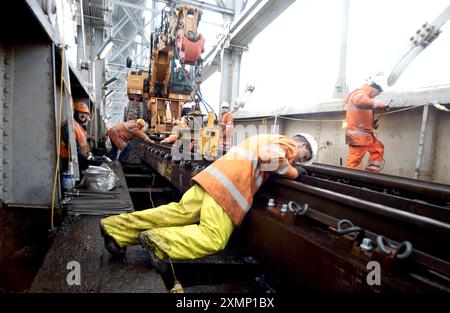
(90, 157)
(300, 170)
(376, 123)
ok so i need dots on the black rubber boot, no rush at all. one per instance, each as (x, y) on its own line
(155, 262)
(111, 245)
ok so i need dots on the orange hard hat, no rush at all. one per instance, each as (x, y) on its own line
(141, 122)
(82, 107)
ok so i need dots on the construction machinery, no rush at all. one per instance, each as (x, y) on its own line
(172, 82)
(173, 76)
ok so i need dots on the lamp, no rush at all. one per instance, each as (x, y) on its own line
(104, 50)
(109, 82)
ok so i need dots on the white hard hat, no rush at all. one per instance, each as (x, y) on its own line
(225, 105)
(188, 105)
(313, 144)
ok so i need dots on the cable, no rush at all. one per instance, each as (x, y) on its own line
(306, 120)
(255, 119)
(309, 120)
(199, 93)
(58, 149)
(401, 110)
(150, 191)
(177, 288)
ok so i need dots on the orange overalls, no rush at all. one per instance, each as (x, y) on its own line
(226, 128)
(359, 130)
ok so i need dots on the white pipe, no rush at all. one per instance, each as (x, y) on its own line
(340, 89)
(82, 30)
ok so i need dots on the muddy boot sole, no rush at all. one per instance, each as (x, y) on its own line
(155, 262)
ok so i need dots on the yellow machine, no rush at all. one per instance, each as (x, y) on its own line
(209, 139)
(173, 75)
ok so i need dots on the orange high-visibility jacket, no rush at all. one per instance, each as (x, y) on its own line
(226, 123)
(123, 132)
(81, 137)
(359, 116)
(233, 179)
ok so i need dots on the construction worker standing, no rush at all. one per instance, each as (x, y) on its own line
(81, 118)
(359, 127)
(120, 136)
(226, 127)
(202, 222)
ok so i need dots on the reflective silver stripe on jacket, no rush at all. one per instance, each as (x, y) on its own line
(250, 156)
(228, 184)
(375, 168)
(246, 154)
(374, 163)
(357, 132)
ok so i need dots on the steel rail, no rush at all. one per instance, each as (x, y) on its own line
(417, 187)
(428, 235)
(397, 202)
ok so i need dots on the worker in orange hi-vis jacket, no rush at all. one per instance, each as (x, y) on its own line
(226, 127)
(80, 121)
(120, 136)
(359, 127)
(222, 194)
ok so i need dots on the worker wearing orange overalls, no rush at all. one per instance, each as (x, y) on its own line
(359, 129)
(226, 127)
(120, 136)
(81, 118)
(202, 222)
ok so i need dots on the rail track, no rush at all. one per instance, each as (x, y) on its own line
(321, 231)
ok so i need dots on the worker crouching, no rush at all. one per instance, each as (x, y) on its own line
(204, 219)
(120, 136)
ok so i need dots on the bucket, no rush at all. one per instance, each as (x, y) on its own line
(68, 180)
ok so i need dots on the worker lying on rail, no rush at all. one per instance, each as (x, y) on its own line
(120, 136)
(202, 222)
(80, 122)
(359, 127)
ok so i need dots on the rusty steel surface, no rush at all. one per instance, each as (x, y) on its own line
(311, 258)
(178, 173)
(428, 235)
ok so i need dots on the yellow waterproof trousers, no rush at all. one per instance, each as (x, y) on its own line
(197, 226)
